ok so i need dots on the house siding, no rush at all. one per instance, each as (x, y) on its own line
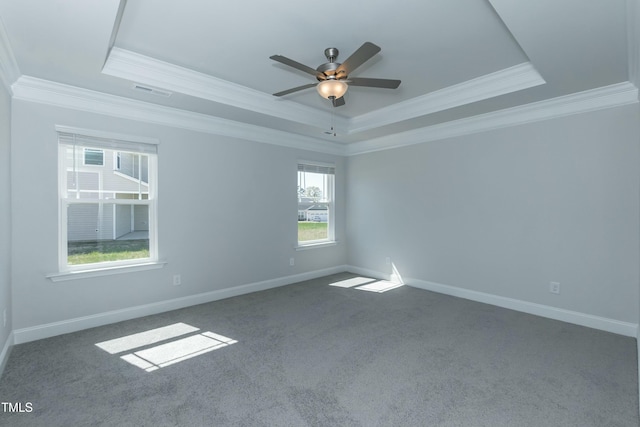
(129, 165)
(90, 222)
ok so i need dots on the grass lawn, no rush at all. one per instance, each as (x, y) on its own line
(311, 231)
(110, 250)
(117, 250)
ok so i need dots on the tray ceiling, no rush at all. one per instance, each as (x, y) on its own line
(458, 60)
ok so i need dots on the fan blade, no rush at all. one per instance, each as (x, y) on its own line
(290, 62)
(295, 89)
(338, 102)
(368, 82)
(357, 58)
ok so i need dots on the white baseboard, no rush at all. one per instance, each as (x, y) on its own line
(6, 351)
(33, 333)
(369, 273)
(73, 325)
(577, 318)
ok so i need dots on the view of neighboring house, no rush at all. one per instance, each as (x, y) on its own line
(309, 210)
(98, 176)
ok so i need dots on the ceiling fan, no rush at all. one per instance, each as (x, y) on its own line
(333, 77)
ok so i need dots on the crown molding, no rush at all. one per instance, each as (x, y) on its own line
(582, 102)
(633, 41)
(9, 71)
(138, 68)
(512, 79)
(50, 93)
(60, 95)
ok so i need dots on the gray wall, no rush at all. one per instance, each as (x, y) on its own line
(503, 212)
(209, 190)
(507, 211)
(5, 214)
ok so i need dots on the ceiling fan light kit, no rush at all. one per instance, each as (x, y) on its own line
(332, 88)
(333, 76)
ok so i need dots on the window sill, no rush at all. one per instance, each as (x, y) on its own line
(107, 271)
(316, 245)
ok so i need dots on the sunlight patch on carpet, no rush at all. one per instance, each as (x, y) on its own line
(149, 337)
(369, 284)
(354, 281)
(379, 286)
(177, 351)
(173, 349)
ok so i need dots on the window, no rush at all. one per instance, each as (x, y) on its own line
(107, 211)
(94, 157)
(315, 203)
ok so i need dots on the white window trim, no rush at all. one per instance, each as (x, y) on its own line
(107, 135)
(105, 271)
(315, 244)
(68, 272)
(331, 234)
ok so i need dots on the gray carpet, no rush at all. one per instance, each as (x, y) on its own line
(311, 354)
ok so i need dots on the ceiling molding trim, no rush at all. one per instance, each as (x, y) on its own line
(633, 41)
(9, 71)
(512, 79)
(46, 92)
(146, 70)
(596, 99)
(122, 4)
(50, 93)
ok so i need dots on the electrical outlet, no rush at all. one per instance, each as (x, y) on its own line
(554, 287)
(292, 262)
(387, 260)
(177, 280)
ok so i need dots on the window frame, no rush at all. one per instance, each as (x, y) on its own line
(95, 150)
(115, 142)
(116, 160)
(328, 199)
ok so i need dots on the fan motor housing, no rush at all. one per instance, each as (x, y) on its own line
(328, 69)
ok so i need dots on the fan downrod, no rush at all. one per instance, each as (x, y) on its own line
(329, 68)
(331, 53)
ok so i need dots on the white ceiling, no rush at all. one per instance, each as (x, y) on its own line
(457, 59)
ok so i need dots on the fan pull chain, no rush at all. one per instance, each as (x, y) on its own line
(332, 130)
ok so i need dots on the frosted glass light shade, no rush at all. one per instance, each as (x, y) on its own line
(329, 88)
